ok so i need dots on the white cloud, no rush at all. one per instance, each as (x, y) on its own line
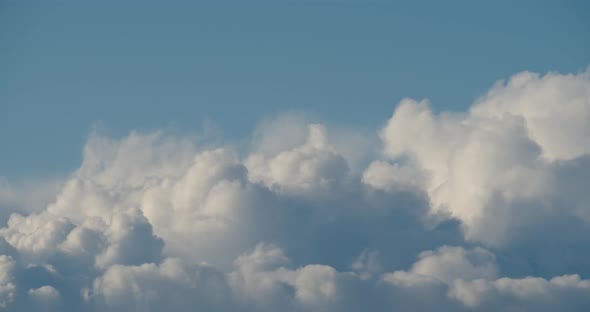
(150, 287)
(44, 295)
(393, 177)
(311, 167)
(554, 108)
(502, 160)
(154, 221)
(27, 196)
(470, 277)
(37, 235)
(7, 287)
(448, 263)
(557, 292)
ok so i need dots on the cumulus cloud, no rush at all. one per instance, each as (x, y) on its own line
(44, 298)
(313, 166)
(27, 195)
(481, 210)
(171, 284)
(7, 287)
(503, 159)
(469, 276)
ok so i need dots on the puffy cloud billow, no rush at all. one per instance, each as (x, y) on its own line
(482, 210)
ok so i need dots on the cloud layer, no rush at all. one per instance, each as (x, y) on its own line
(482, 210)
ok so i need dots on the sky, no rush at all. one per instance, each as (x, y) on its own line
(71, 66)
(334, 155)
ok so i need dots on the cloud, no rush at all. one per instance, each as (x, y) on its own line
(470, 277)
(44, 297)
(313, 166)
(545, 295)
(27, 196)
(448, 263)
(503, 159)
(35, 236)
(171, 284)
(7, 287)
(480, 210)
(553, 107)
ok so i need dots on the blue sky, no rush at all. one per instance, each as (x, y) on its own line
(66, 66)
